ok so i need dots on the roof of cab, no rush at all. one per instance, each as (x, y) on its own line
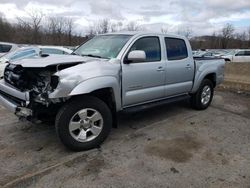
(139, 33)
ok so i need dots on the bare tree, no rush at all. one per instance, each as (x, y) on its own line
(36, 19)
(187, 32)
(58, 27)
(68, 29)
(248, 33)
(91, 32)
(119, 26)
(114, 27)
(103, 26)
(5, 30)
(132, 26)
(240, 39)
(34, 22)
(227, 33)
(164, 30)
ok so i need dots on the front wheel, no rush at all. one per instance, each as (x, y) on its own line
(203, 97)
(83, 123)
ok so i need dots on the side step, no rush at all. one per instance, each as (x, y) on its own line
(156, 103)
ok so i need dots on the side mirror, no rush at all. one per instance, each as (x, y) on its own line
(136, 56)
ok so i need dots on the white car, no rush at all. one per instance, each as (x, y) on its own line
(6, 47)
(239, 56)
(21, 53)
(203, 54)
(55, 50)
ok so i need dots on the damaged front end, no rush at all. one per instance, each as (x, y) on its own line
(27, 90)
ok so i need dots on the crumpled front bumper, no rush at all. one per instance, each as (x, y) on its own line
(14, 100)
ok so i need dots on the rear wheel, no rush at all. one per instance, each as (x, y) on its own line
(84, 123)
(203, 97)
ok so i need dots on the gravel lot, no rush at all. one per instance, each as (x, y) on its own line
(167, 146)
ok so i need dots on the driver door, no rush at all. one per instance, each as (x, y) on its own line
(144, 81)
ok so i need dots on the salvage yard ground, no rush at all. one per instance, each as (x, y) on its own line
(167, 146)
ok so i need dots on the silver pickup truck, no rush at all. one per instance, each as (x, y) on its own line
(113, 72)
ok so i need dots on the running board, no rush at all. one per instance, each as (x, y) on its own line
(156, 103)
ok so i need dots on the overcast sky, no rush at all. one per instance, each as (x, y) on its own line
(202, 16)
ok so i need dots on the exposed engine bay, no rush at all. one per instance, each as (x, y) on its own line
(39, 82)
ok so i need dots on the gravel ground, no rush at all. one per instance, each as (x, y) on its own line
(167, 146)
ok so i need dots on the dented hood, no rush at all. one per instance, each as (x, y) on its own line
(36, 62)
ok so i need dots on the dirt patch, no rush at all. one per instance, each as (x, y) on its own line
(94, 166)
(174, 170)
(217, 159)
(76, 161)
(178, 149)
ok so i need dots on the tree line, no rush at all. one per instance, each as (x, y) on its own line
(226, 38)
(39, 29)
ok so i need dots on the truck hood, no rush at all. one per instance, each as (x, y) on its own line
(40, 62)
(227, 56)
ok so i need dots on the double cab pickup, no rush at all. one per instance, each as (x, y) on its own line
(83, 92)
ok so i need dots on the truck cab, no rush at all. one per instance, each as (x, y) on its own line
(164, 69)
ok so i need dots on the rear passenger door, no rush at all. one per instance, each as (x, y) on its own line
(179, 67)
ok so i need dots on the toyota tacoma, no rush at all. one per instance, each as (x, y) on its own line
(110, 73)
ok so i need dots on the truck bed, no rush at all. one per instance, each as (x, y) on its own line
(207, 58)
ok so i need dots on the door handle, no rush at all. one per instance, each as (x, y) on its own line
(160, 69)
(188, 66)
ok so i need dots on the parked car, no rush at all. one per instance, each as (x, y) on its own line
(6, 47)
(239, 56)
(20, 53)
(109, 73)
(55, 50)
(203, 54)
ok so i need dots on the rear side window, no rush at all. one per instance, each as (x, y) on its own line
(240, 53)
(176, 49)
(247, 53)
(151, 46)
(5, 48)
(23, 54)
(51, 51)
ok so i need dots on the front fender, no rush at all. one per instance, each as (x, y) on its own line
(97, 83)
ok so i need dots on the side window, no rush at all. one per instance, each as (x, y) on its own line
(240, 53)
(247, 53)
(151, 46)
(51, 51)
(18, 55)
(176, 49)
(5, 48)
(22, 54)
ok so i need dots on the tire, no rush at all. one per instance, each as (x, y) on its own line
(68, 118)
(196, 98)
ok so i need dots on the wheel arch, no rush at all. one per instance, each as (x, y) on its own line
(211, 77)
(206, 75)
(106, 88)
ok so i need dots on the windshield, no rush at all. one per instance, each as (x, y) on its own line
(103, 46)
(231, 52)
